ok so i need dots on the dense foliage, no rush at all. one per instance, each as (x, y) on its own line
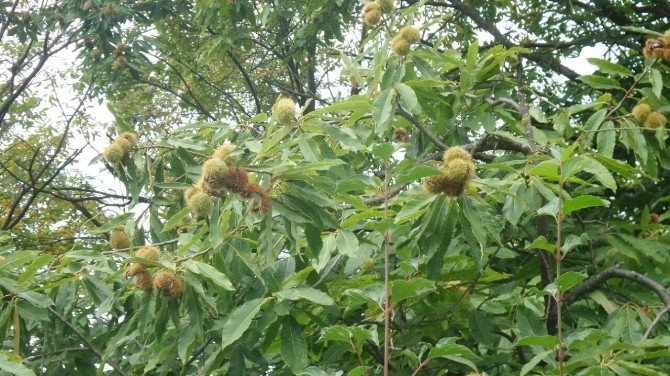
(335, 188)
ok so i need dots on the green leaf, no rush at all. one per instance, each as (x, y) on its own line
(408, 100)
(176, 219)
(581, 202)
(416, 173)
(542, 243)
(544, 341)
(534, 362)
(641, 30)
(188, 143)
(656, 82)
(187, 338)
(336, 333)
(601, 173)
(13, 367)
(402, 289)
(600, 82)
(482, 329)
(383, 110)
(238, 321)
(293, 345)
(209, 272)
(568, 280)
(641, 369)
(347, 243)
(592, 125)
(307, 293)
(608, 67)
(30, 271)
(447, 347)
(551, 208)
(606, 139)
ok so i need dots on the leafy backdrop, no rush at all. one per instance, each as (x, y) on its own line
(553, 260)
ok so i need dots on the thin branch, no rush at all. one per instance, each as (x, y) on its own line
(247, 79)
(128, 249)
(55, 352)
(88, 343)
(655, 322)
(523, 106)
(631, 88)
(422, 128)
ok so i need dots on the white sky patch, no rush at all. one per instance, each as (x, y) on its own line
(580, 65)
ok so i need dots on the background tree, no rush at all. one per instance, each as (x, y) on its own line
(442, 196)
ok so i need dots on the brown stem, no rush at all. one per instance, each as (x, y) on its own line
(421, 364)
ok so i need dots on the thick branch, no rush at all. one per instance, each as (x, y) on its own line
(597, 280)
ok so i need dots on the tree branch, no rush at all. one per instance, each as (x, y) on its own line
(597, 280)
(88, 343)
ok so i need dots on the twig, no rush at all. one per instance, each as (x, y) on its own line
(523, 106)
(88, 343)
(190, 257)
(421, 364)
(422, 128)
(655, 322)
(630, 89)
(129, 248)
(55, 352)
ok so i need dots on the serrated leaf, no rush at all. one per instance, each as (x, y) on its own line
(582, 202)
(238, 321)
(293, 345)
(307, 293)
(609, 67)
(606, 139)
(534, 362)
(347, 243)
(599, 82)
(601, 173)
(112, 223)
(408, 100)
(210, 273)
(383, 110)
(656, 82)
(415, 173)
